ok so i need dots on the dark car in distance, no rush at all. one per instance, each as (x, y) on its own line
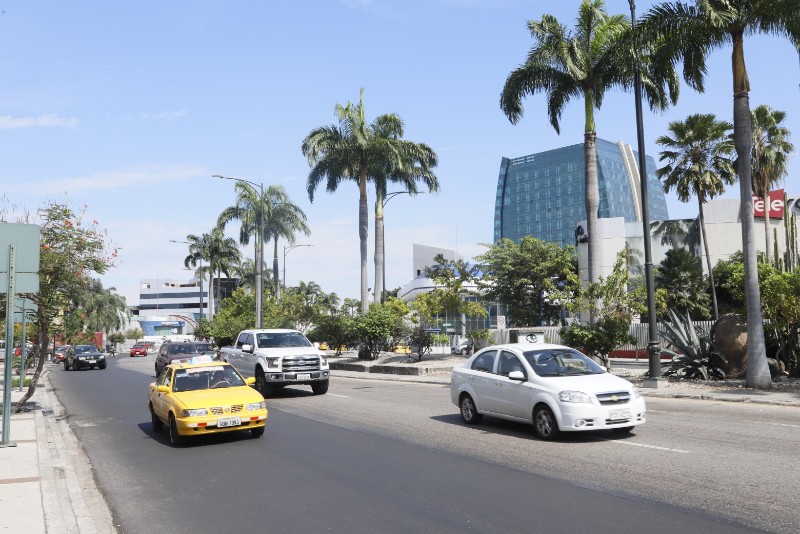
(84, 356)
(181, 352)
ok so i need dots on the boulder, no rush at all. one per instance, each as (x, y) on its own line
(730, 337)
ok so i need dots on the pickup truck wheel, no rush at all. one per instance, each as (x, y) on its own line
(263, 387)
(320, 388)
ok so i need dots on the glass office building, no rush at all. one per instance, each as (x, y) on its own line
(542, 195)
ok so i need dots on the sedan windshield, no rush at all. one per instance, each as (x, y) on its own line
(561, 362)
(208, 377)
(84, 349)
(189, 348)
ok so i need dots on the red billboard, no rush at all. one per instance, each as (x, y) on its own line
(776, 205)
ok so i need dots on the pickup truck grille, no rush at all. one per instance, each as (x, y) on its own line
(301, 363)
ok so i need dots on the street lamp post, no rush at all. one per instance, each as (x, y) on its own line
(653, 349)
(285, 252)
(259, 244)
(386, 199)
(202, 312)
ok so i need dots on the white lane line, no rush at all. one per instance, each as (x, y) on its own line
(654, 447)
(342, 396)
(785, 425)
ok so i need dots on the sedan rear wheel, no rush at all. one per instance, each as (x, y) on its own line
(469, 413)
(544, 423)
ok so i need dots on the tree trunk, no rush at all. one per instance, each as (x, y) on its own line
(379, 248)
(757, 368)
(363, 235)
(276, 275)
(592, 202)
(41, 357)
(714, 309)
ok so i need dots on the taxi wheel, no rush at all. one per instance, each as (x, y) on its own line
(158, 425)
(174, 438)
(257, 432)
(545, 424)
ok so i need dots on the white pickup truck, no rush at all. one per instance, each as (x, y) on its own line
(278, 358)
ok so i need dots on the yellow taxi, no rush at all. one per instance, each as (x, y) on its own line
(205, 396)
(401, 349)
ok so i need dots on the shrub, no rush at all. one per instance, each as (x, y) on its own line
(698, 357)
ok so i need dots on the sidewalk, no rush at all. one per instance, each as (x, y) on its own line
(46, 482)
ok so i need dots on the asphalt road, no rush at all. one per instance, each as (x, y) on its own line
(385, 456)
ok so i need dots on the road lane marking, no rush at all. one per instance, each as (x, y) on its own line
(654, 447)
(785, 425)
(342, 396)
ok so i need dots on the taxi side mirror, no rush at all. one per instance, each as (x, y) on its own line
(162, 389)
(250, 380)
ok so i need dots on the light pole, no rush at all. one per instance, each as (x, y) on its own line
(653, 349)
(202, 312)
(285, 252)
(386, 199)
(259, 245)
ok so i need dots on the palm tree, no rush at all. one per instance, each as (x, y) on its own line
(222, 255)
(770, 157)
(699, 156)
(106, 310)
(681, 275)
(284, 218)
(691, 32)
(355, 150)
(584, 64)
(416, 162)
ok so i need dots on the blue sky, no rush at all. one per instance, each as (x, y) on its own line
(130, 107)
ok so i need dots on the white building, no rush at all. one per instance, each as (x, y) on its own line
(168, 307)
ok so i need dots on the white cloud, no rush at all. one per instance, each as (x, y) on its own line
(120, 179)
(165, 115)
(42, 121)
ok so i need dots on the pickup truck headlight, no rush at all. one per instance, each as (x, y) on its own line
(256, 406)
(323, 361)
(196, 412)
(273, 362)
(574, 396)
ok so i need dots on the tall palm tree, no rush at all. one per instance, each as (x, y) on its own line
(584, 64)
(681, 275)
(691, 32)
(355, 150)
(770, 157)
(106, 310)
(222, 255)
(417, 162)
(284, 218)
(700, 163)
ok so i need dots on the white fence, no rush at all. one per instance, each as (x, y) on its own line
(552, 334)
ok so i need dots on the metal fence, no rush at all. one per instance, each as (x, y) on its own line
(552, 334)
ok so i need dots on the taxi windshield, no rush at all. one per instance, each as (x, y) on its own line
(206, 377)
(561, 362)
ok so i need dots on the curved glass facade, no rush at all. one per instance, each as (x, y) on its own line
(542, 195)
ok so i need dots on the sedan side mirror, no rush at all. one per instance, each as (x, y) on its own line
(516, 375)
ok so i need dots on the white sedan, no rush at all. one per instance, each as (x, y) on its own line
(555, 388)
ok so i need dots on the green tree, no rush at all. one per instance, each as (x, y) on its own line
(221, 255)
(681, 276)
(375, 330)
(584, 64)
(525, 276)
(770, 158)
(284, 219)
(355, 150)
(105, 310)
(337, 330)
(699, 155)
(691, 32)
(306, 303)
(70, 250)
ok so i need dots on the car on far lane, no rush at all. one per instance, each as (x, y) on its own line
(205, 397)
(84, 356)
(553, 387)
(180, 352)
(60, 352)
(138, 350)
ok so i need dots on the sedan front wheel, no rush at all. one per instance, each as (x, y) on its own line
(545, 424)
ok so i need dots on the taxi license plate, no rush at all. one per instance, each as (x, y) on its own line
(223, 422)
(619, 414)
(305, 376)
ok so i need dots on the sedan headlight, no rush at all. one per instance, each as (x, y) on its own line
(273, 362)
(635, 394)
(196, 412)
(574, 396)
(256, 406)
